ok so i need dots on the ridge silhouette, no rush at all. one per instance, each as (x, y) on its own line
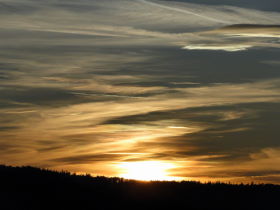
(28, 188)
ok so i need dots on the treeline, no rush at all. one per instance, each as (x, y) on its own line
(28, 188)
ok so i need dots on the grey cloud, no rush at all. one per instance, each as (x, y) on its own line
(272, 62)
(82, 159)
(40, 96)
(7, 128)
(271, 5)
(218, 137)
(51, 149)
(16, 8)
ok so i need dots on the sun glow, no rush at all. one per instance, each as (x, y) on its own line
(146, 170)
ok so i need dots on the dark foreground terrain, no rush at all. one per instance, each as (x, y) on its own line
(28, 188)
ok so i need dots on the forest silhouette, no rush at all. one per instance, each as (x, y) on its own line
(28, 188)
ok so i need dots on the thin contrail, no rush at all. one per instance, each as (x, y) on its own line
(184, 11)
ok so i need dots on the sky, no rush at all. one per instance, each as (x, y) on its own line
(181, 89)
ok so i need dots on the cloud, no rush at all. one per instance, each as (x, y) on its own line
(272, 62)
(236, 37)
(247, 30)
(5, 128)
(128, 19)
(229, 48)
(83, 128)
(82, 159)
(184, 11)
(87, 85)
(260, 170)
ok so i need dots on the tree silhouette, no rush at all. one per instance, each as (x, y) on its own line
(28, 188)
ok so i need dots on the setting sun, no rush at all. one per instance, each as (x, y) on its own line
(146, 170)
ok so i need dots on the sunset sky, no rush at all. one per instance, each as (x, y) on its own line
(144, 89)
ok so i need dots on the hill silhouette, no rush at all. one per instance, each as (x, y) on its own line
(28, 188)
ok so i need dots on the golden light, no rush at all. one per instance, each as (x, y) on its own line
(146, 170)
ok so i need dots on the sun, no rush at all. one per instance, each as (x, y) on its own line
(146, 170)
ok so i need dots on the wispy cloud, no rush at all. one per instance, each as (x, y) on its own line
(86, 85)
(229, 48)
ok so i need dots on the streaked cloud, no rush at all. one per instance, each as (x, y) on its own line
(254, 30)
(229, 48)
(88, 85)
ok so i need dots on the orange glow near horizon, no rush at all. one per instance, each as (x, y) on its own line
(147, 170)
